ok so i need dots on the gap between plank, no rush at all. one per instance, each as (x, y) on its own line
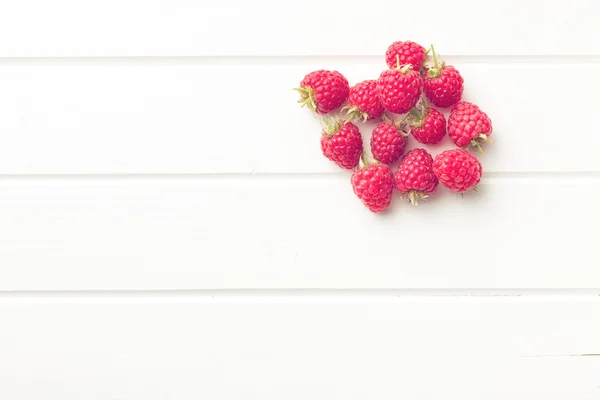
(300, 294)
(291, 60)
(488, 178)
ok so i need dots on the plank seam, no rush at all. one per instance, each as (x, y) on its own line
(292, 60)
(303, 293)
(489, 176)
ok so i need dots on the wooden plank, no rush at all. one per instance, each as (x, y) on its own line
(70, 28)
(284, 232)
(274, 348)
(192, 117)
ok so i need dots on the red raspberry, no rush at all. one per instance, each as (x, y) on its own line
(323, 91)
(399, 89)
(428, 125)
(404, 53)
(342, 144)
(442, 84)
(468, 126)
(415, 178)
(387, 143)
(363, 102)
(457, 170)
(374, 184)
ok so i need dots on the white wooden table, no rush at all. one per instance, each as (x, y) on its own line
(170, 230)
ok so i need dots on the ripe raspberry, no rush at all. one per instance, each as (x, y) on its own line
(468, 126)
(428, 125)
(387, 142)
(399, 89)
(323, 91)
(342, 144)
(374, 184)
(457, 170)
(363, 102)
(415, 178)
(442, 84)
(405, 53)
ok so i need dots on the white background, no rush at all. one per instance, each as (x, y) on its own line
(170, 230)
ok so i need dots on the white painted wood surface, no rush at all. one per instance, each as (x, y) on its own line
(299, 348)
(170, 230)
(311, 27)
(291, 232)
(192, 116)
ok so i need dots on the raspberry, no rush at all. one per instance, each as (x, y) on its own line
(387, 143)
(323, 91)
(415, 178)
(399, 89)
(342, 144)
(457, 170)
(468, 126)
(405, 53)
(374, 184)
(428, 125)
(442, 84)
(363, 102)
